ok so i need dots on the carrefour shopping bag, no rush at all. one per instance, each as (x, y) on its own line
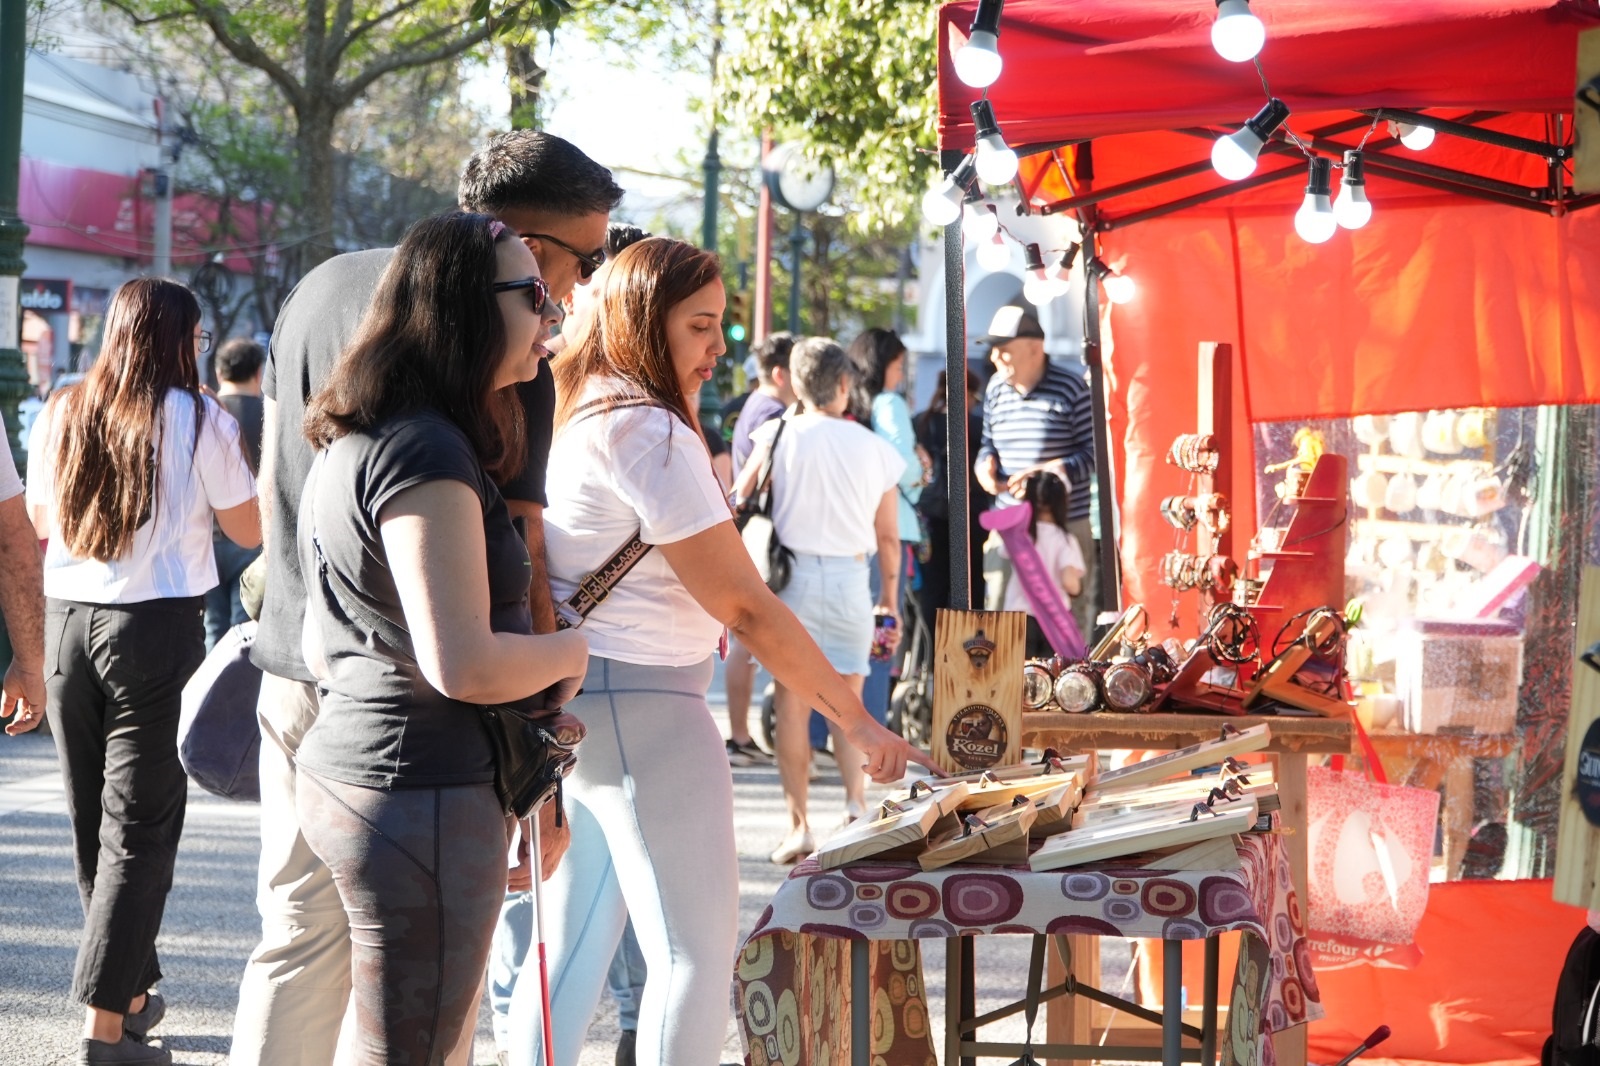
(1370, 844)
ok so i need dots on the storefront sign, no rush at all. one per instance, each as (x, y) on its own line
(46, 296)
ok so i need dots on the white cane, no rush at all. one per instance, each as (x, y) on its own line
(538, 925)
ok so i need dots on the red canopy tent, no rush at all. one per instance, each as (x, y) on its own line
(1477, 281)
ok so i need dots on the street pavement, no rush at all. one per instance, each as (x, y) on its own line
(211, 923)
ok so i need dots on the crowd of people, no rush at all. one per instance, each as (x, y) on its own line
(444, 449)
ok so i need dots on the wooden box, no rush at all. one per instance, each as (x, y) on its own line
(1459, 676)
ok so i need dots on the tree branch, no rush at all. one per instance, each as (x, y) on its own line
(244, 48)
(413, 58)
(361, 29)
(145, 20)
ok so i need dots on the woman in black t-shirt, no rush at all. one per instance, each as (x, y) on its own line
(419, 616)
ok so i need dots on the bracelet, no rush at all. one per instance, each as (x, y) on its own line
(1194, 452)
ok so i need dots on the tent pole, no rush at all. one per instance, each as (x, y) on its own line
(1109, 578)
(955, 391)
(1543, 149)
(1379, 165)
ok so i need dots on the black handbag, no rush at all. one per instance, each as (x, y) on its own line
(530, 762)
(753, 519)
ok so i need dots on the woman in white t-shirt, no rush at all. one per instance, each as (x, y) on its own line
(651, 800)
(125, 473)
(835, 506)
(1059, 550)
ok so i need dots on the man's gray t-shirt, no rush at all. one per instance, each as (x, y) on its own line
(318, 321)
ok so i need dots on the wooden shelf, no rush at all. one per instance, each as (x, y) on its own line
(1390, 527)
(1404, 464)
(1103, 729)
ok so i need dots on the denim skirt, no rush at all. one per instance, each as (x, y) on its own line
(830, 596)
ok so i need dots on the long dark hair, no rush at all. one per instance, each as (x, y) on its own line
(627, 338)
(1047, 494)
(433, 337)
(110, 423)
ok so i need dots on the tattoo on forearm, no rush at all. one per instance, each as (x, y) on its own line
(832, 710)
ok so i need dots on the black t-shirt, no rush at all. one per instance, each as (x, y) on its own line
(317, 322)
(247, 411)
(381, 724)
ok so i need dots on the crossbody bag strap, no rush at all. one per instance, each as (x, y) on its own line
(761, 499)
(350, 602)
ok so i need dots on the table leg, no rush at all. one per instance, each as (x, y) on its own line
(953, 980)
(860, 1002)
(1291, 1045)
(1458, 797)
(1172, 1002)
(969, 986)
(1208, 1007)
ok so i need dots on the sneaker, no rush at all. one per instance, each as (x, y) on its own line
(796, 846)
(627, 1040)
(753, 750)
(123, 1052)
(737, 756)
(139, 1025)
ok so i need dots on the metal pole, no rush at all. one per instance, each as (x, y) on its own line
(1172, 1002)
(797, 243)
(13, 231)
(161, 262)
(957, 461)
(1110, 571)
(860, 1002)
(762, 314)
(713, 168)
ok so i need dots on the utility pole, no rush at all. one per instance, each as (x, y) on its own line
(162, 263)
(713, 164)
(762, 324)
(13, 231)
(797, 247)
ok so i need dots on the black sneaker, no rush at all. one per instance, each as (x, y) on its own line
(627, 1040)
(737, 756)
(139, 1025)
(123, 1053)
(753, 750)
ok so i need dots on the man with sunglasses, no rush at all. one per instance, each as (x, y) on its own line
(296, 984)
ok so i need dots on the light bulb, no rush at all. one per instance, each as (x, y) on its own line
(1237, 35)
(1234, 156)
(994, 255)
(1314, 221)
(997, 164)
(1038, 290)
(1416, 138)
(941, 204)
(1352, 209)
(1119, 288)
(978, 62)
(980, 222)
(1061, 269)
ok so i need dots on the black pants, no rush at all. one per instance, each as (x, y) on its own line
(422, 876)
(115, 677)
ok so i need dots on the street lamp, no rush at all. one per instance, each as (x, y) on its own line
(802, 185)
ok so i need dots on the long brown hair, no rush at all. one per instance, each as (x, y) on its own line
(627, 337)
(432, 337)
(110, 423)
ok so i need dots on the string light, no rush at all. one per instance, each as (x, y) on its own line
(1314, 221)
(994, 255)
(1120, 288)
(1353, 210)
(1061, 268)
(1237, 35)
(997, 163)
(941, 204)
(1038, 288)
(980, 222)
(1415, 138)
(1234, 156)
(978, 62)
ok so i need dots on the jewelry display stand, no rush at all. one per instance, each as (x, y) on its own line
(1305, 570)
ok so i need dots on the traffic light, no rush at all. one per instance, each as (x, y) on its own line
(738, 317)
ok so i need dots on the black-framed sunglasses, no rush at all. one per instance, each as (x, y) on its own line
(538, 291)
(588, 262)
(203, 342)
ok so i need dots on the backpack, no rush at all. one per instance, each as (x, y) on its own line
(1575, 1039)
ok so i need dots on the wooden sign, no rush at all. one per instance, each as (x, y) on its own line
(893, 824)
(977, 689)
(1088, 814)
(1133, 836)
(1586, 119)
(994, 834)
(1181, 761)
(994, 792)
(1577, 837)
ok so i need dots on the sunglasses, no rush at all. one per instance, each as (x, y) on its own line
(538, 291)
(588, 262)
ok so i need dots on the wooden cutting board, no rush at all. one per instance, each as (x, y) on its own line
(977, 689)
(890, 826)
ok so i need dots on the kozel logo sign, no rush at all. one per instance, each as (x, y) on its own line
(38, 295)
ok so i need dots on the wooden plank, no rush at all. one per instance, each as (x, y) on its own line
(889, 828)
(995, 834)
(1586, 162)
(1053, 810)
(993, 793)
(1215, 410)
(1090, 814)
(1162, 732)
(1070, 1020)
(1135, 836)
(977, 693)
(1182, 760)
(1577, 878)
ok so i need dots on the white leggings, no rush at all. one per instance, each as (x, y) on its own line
(651, 805)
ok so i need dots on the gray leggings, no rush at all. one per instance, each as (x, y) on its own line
(421, 873)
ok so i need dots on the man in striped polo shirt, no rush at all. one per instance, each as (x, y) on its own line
(1039, 416)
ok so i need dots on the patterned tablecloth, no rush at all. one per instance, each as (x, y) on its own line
(794, 972)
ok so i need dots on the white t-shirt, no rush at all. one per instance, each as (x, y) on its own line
(171, 554)
(1058, 550)
(828, 479)
(632, 470)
